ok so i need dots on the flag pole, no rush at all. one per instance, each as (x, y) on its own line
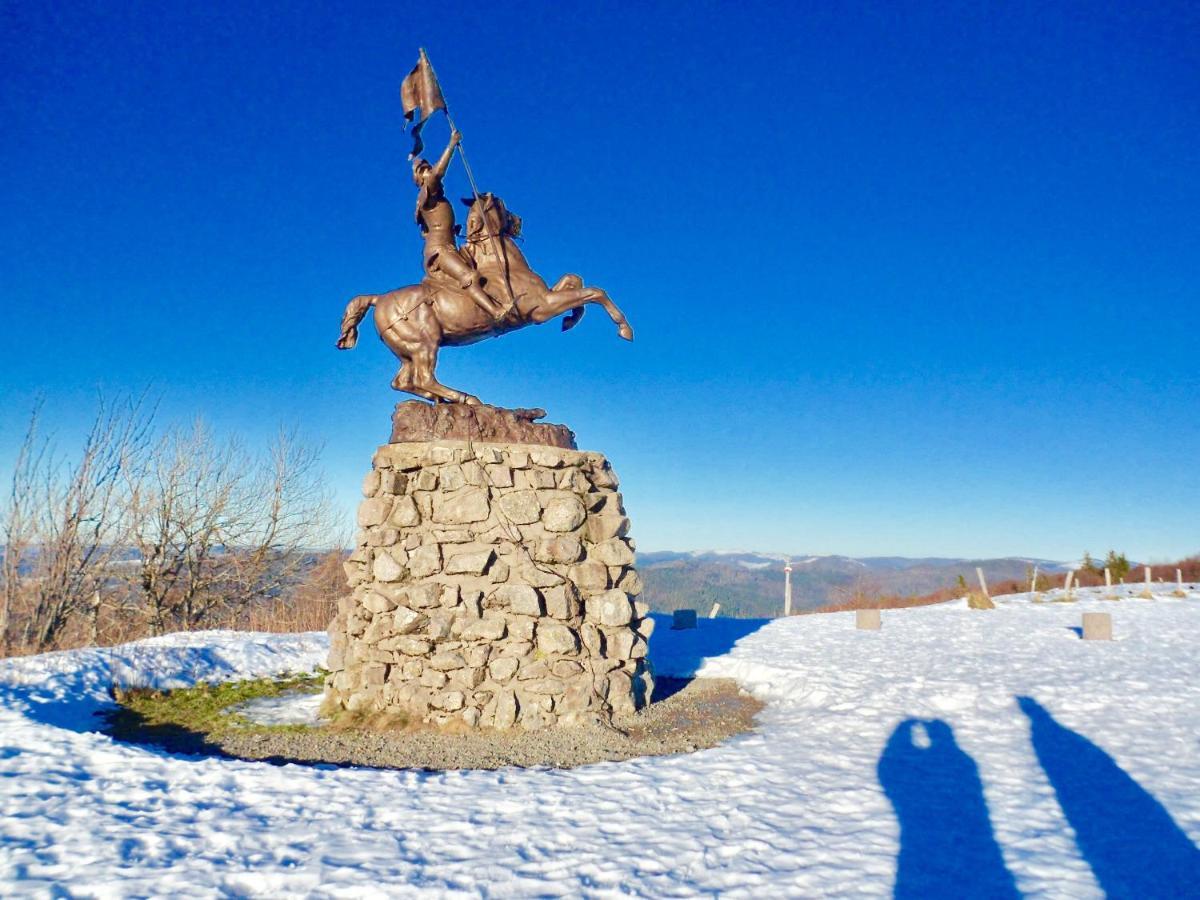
(497, 247)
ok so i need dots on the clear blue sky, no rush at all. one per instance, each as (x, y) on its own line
(906, 278)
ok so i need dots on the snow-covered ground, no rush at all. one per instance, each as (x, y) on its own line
(953, 753)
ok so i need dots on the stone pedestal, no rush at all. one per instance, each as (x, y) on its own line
(493, 585)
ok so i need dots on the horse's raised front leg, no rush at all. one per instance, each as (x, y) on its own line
(566, 283)
(558, 302)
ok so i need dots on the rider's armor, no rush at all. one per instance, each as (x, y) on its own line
(441, 249)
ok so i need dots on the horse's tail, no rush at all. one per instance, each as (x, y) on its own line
(355, 310)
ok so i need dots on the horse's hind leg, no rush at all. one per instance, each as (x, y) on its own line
(424, 382)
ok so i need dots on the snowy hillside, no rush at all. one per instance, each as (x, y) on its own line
(995, 747)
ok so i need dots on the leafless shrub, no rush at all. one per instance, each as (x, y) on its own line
(142, 535)
(65, 525)
(217, 530)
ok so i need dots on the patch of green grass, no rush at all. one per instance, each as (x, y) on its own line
(201, 710)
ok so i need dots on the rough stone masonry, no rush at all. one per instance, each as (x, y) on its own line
(493, 585)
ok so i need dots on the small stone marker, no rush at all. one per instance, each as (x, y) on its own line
(684, 618)
(1097, 626)
(868, 620)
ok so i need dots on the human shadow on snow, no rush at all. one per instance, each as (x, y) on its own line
(947, 847)
(1131, 842)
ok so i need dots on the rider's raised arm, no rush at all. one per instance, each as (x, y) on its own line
(443, 162)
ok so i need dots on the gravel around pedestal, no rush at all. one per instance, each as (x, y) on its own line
(694, 714)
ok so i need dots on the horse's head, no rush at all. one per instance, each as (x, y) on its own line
(490, 217)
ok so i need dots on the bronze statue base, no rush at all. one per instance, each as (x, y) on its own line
(415, 420)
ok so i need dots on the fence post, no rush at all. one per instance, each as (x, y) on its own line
(1147, 594)
(982, 582)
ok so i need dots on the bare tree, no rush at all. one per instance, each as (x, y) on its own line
(286, 515)
(217, 530)
(182, 506)
(20, 526)
(65, 523)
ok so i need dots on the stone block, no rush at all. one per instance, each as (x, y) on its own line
(557, 639)
(602, 528)
(406, 621)
(520, 628)
(868, 620)
(521, 507)
(683, 619)
(565, 668)
(449, 701)
(425, 561)
(424, 596)
(376, 602)
(506, 710)
(472, 563)
(404, 513)
(615, 552)
(370, 485)
(489, 628)
(631, 583)
(392, 482)
(477, 656)
(520, 599)
(451, 478)
(561, 602)
(612, 608)
(590, 576)
(560, 549)
(385, 567)
(447, 660)
(374, 511)
(498, 476)
(563, 513)
(1097, 627)
(433, 678)
(502, 669)
(544, 686)
(461, 507)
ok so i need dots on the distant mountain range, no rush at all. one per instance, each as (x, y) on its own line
(751, 584)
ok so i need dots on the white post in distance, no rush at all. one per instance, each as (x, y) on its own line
(713, 612)
(982, 582)
(787, 588)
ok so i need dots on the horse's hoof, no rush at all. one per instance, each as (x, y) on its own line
(625, 331)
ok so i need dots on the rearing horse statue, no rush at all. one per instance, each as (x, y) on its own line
(417, 321)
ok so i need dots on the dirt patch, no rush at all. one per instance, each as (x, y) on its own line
(687, 715)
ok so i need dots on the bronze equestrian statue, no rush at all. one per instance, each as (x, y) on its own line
(480, 290)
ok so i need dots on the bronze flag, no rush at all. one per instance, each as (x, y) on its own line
(421, 91)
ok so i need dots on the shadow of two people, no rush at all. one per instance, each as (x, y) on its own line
(947, 845)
